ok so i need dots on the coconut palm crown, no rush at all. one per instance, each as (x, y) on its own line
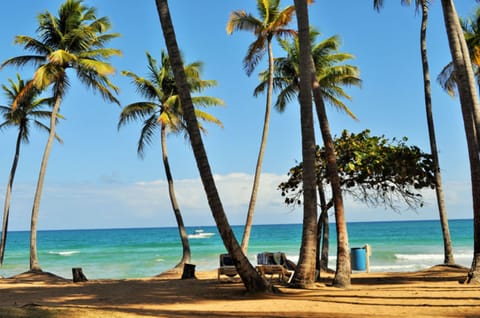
(75, 40)
(162, 105)
(332, 74)
(272, 23)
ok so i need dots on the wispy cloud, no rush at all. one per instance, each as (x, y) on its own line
(140, 204)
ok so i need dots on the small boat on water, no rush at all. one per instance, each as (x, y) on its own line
(200, 234)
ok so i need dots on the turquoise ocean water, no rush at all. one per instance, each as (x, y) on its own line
(131, 253)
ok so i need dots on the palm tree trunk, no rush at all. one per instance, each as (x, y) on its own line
(304, 276)
(343, 270)
(261, 153)
(470, 108)
(6, 210)
(447, 242)
(34, 264)
(323, 232)
(251, 279)
(186, 255)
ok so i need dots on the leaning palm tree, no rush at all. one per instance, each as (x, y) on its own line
(162, 111)
(331, 73)
(442, 209)
(75, 39)
(272, 22)
(28, 112)
(251, 279)
(470, 106)
(471, 31)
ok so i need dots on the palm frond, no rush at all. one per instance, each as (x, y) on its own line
(146, 136)
(137, 111)
(31, 44)
(241, 21)
(20, 61)
(448, 79)
(255, 53)
(143, 86)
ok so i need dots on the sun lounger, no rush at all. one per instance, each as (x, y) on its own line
(272, 264)
(226, 266)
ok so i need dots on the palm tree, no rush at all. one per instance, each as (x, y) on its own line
(442, 209)
(304, 276)
(470, 107)
(74, 39)
(331, 75)
(28, 111)
(271, 23)
(162, 111)
(251, 279)
(471, 31)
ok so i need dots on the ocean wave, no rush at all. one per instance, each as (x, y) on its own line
(64, 253)
(397, 268)
(432, 257)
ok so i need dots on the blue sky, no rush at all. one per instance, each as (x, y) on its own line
(96, 180)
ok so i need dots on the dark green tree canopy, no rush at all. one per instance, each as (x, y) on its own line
(372, 169)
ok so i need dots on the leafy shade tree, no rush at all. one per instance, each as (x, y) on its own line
(442, 209)
(162, 112)
(373, 170)
(470, 106)
(75, 39)
(28, 112)
(272, 22)
(251, 279)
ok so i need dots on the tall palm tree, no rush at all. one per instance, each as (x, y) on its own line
(251, 279)
(272, 22)
(471, 31)
(28, 112)
(304, 276)
(470, 107)
(442, 209)
(162, 111)
(331, 75)
(75, 39)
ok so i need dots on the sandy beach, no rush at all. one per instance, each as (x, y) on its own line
(435, 292)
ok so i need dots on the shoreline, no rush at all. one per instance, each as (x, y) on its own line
(435, 292)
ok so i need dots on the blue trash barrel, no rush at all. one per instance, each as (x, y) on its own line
(358, 258)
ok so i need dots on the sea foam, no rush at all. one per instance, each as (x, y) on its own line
(64, 253)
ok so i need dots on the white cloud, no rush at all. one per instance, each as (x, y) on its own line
(147, 204)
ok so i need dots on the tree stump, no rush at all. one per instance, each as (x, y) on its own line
(78, 275)
(188, 271)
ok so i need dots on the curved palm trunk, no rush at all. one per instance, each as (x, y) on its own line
(251, 279)
(263, 144)
(6, 210)
(343, 270)
(304, 276)
(442, 210)
(470, 109)
(173, 200)
(34, 264)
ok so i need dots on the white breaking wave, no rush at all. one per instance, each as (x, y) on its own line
(64, 253)
(431, 257)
